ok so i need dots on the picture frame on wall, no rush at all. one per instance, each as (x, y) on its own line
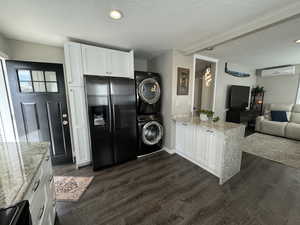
(183, 80)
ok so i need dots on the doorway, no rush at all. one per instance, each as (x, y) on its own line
(40, 107)
(204, 83)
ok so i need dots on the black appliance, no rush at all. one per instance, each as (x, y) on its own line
(239, 97)
(148, 91)
(150, 129)
(18, 214)
(112, 115)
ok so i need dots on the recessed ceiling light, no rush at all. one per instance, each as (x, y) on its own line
(297, 41)
(115, 14)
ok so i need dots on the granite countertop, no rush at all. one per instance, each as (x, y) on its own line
(218, 126)
(19, 162)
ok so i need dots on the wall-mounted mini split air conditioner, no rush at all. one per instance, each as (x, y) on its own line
(278, 71)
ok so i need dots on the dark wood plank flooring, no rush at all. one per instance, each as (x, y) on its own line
(167, 189)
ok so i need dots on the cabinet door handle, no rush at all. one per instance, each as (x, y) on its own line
(184, 124)
(36, 185)
(47, 158)
(51, 178)
(41, 212)
(209, 131)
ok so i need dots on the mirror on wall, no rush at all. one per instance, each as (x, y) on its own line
(204, 84)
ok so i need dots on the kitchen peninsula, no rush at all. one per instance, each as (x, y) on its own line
(26, 174)
(213, 146)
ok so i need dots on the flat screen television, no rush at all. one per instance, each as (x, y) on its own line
(239, 97)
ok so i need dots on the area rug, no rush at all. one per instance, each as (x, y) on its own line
(278, 149)
(69, 188)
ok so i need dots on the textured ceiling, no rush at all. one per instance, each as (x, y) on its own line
(149, 26)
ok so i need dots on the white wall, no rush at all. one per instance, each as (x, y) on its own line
(182, 104)
(140, 64)
(163, 65)
(27, 51)
(280, 89)
(3, 46)
(224, 81)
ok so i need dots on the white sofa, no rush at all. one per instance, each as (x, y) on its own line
(290, 129)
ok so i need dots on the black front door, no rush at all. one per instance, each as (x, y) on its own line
(39, 100)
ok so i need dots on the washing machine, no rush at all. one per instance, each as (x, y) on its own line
(148, 91)
(150, 133)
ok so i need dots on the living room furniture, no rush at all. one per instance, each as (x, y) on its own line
(290, 129)
(257, 101)
(237, 116)
(214, 146)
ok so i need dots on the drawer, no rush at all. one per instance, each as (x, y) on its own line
(38, 207)
(34, 187)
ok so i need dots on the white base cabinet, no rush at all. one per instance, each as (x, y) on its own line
(41, 195)
(210, 149)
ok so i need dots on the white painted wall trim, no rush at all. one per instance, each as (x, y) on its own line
(269, 19)
(209, 59)
(298, 93)
(9, 131)
(170, 151)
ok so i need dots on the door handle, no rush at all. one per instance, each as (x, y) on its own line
(64, 115)
(65, 122)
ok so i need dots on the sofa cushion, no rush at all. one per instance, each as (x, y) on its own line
(279, 116)
(282, 107)
(274, 128)
(295, 115)
(293, 131)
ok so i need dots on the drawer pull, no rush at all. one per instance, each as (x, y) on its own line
(47, 158)
(51, 178)
(184, 124)
(209, 131)
(41, 212)
(36, 185)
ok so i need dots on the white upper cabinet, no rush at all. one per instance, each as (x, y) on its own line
(95, 60)
(73, 64)
(121, 64)
(107, 62)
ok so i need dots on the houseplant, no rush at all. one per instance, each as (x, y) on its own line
(206, 115)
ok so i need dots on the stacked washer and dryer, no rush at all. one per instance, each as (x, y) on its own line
(150, 126)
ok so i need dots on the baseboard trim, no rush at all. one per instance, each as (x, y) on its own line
(82, 164)
(170, 151)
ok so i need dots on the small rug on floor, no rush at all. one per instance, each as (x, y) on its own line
(278, 149)
(69, 188)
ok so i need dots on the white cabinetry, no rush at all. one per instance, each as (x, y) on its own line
(73, 60)
(107, 62)
(210, 149)
(95, 60)
(41, 195)
(80, 127)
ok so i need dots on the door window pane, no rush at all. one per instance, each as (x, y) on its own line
(26, 87)
(52, 87)
(50, 76)
(37, 75)
(24, 75)
(39, 87)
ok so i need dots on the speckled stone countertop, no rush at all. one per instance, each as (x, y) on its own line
(218, 126)
(19, 162)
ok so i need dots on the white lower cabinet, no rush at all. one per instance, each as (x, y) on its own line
(41, 195)
(200, 145)
(80, 129)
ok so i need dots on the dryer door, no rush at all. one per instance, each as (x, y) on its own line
(149, 91)
(152, 133)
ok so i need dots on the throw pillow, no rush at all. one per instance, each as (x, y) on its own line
(279, 116)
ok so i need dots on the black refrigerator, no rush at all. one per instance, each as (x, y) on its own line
(112, 116)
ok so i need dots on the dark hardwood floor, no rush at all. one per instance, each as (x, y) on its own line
(167, 189)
